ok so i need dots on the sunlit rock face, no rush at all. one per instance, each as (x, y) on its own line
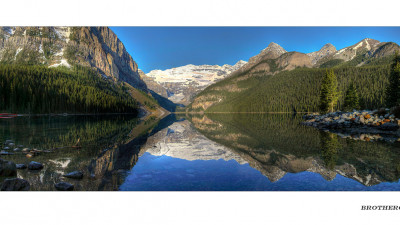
(325, 51)
(96, 47)
(180, 140)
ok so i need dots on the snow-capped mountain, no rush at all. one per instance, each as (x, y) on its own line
(350, 52)
(182, 83)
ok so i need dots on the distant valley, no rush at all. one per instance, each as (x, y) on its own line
(181, 84)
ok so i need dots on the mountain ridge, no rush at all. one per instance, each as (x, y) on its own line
(246, 81)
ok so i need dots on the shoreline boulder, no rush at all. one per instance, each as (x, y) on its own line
(15, 184)
(35, 166)
(74, 175)
(7, 168)
(64, 186)
(21, 166)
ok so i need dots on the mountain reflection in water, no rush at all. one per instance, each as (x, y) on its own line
(230, 152)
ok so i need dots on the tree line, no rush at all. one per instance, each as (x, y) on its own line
(38, 89)
(299, 90)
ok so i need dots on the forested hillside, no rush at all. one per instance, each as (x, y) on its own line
(38, 89)
(288, 91)
(279, 81)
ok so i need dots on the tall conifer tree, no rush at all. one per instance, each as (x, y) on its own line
(329, 93)
(351, 100)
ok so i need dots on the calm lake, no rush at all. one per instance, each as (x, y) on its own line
(213, 152)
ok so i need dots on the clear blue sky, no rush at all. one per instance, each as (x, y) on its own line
(168, 47)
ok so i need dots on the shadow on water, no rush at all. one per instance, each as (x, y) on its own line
(110, 146)
(276, 144)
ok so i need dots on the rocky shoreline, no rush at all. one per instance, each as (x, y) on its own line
(359, 125)
(8, 170)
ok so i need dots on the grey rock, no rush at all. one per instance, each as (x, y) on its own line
(35, 166)
(15, 184)
(8, 142)
(7, 168)
(21, 166)
(74, 175)
(64, 186)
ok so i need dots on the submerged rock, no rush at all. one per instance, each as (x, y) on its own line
(74, 175)
(7, 168)
(15, 184)
(35, 166)
(64, 186)
(21, 166)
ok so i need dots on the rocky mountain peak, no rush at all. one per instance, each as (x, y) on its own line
(326, 50)
(239, 64)
(273, 51)
(274, 48)
(366, 43)
(328, 46)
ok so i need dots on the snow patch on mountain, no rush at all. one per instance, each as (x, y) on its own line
(63, 33)
(17, 52)
(63, 62)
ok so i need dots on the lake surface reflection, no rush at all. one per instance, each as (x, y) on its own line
(213, 152)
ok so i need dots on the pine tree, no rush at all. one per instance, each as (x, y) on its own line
(393, 90)
(329, 94)
(351, 100)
